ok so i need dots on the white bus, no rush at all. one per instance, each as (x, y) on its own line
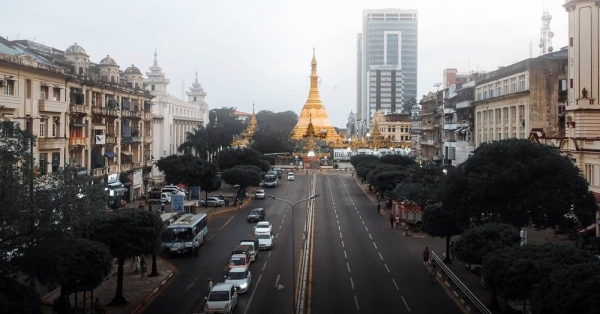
(186, 234)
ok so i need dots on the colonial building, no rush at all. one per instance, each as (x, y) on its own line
(458, 134)
(86, 115)
(415, 130)
(521, 98)
(394, 128)
(173, 117)
(430, 140)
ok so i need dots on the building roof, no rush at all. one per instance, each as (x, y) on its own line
(241, 113)
(108, 61)
(133, 70)
(6, 47)
(75, 49)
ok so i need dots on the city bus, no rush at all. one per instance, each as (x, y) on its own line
(186, 234)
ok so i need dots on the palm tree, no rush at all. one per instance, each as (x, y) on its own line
(196, 142)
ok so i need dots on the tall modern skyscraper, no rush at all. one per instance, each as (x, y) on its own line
(386, 62)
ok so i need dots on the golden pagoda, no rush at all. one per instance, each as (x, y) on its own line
(245, 138)
(314, 112)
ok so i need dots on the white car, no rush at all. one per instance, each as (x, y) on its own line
(291, 176)
(265, 241)
(221, 299)
(212, 201)
(260, 195)
(263, 227)
(240, 278)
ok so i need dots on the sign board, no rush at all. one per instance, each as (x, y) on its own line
(112, 178)
(195, 193)
(177, 201)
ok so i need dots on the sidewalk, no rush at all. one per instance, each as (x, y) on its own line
(138, 291)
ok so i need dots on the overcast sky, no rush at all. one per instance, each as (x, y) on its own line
(260, 51)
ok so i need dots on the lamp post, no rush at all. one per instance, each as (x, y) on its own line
(292, 205)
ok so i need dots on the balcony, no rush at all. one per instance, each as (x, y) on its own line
(137, 165)
(464, 104)
(136, 138)
(148, 139)
(148, 116)
(99, 111)
(52, 106)
(78, 109)
(51, 143)
(111, 139)
(126, 167)
(76, 141)
(98, 172)
(149, 163)
(112, 113)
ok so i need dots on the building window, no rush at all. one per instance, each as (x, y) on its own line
(28, 89)
(80, 70)
(194, 98)
(506, 90)
(589, 174)
(9, 87)
(137, 85)
(513, 85)
(55, 162)
(152, 87)
(43, 163)
(522, 83)
(104, 78)
(56, 94)
(42, 128)
(54, 127)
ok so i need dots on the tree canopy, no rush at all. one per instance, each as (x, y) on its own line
(244, 176)
(358, 159)
(476, 243)
(187, 169)
(232, 157)
(520, 183)
(439, 222)
(273, 134)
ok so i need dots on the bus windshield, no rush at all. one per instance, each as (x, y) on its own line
(178, 234)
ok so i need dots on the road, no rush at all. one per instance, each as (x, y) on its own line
(358, 263)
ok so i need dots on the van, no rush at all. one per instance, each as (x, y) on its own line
(154, 197)
(243, 249)
(253, 249)
(165, 197)
(251, 238)
(173, 190)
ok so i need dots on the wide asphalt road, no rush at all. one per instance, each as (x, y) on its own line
(359, 263)
(271, 289)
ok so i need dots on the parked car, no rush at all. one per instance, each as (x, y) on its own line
(263, 227)
(240, 278)
(221, 299)
(212, 201)
(265, 241)
(257, 214)
(291, 176)
(259, 195)
(174, 190)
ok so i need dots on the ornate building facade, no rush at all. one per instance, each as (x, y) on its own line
(172, 117)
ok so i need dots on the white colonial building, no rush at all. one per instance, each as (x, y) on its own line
(173, 117)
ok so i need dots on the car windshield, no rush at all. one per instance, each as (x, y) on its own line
(238, 262)
(219, 296)
(264, 236)
(255, 212)
(236, 275)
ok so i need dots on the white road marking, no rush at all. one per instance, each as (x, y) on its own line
(375, 245)
(387, 268)
(405, 303)
(363, 222)
(359, 216)
(370, 237)
(265, 265)
(352, 283)
(356, 301)
(252, 296)
(395, 284)
(276, 235)
(380, 256)
(343, 244)
(348, 267)
(339, 228)
(366, 228)
(345, 255)
(341, 235)
(270, 253)
(338, 222)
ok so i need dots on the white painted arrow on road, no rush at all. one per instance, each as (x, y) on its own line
(192, 284)
(277, 284)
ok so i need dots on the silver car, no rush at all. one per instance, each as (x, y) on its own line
(265, 241)
(212, 201)
(240, 278)
(222, 299)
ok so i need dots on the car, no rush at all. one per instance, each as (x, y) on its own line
(174, 190)
(257, 214)
(240, 278)
(263, 227)
(239, 261)
(271, 182)
(259, 195)
(222, 298)
(265, 241)
(212, 201)
(291, 176)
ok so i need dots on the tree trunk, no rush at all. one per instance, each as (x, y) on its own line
(119, 299)
(494, 301)
(62, 305)
(238, 195)
(205, 198)
(447, 260)
(154, 271)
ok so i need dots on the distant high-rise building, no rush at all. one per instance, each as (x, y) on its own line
(389, 39)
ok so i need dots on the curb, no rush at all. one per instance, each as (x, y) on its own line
(209, 215)
(152, 294)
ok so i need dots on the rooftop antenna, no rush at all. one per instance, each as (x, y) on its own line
(18, 33)
(545, 33)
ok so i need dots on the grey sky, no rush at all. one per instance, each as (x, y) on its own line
(260, 51)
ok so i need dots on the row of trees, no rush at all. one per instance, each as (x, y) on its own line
(504, 186)
(56, 230)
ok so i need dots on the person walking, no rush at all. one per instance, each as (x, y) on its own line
(397, 221)
(378, 208)
(392, 221)
(143, 268)
(426, 256)
(451, 250)
(210, 285)
(432, 273)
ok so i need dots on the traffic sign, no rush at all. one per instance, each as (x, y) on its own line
(177, 202)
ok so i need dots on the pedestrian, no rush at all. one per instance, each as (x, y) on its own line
(451, 250)
(150, 207)
(162, 207)
(426, 256)
(143, 268)
(378, 208)
(98, 309)
(432, 273)
(392, 221)
(397, 221)
(210, 286)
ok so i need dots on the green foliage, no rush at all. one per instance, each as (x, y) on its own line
(476, 243)
(17, 298)
(242, 175)
(230, 158)
(515, 271)
(399, 160)
(439, 222)
(273, 135)
(187, 169)
(381, 167)
(521, 183)
(569, 290)
(198, 142)
(365, 167)
(356, 160)
(270, 158)
(425, 184)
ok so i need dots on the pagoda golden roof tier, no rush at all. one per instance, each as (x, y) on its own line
(314, 111)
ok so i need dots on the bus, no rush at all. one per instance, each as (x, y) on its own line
(186, 234)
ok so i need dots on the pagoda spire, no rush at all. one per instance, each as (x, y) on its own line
(155, 60)
(253, 124)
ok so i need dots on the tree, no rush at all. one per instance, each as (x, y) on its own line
(386, 182)
(128, 233)
(356, 160)
(569, 290)
(273, 135)
(244, 176)
(363, 169)
(17, 298)
(196, 142)
(425, 183)
(438, 222)
(271, 159)
(187, 169)
(476, 243)
(519, 183)
(230, 158)
(399, 160)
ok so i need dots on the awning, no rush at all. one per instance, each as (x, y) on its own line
(127, 153)
(114, 185)
(78, 125)
(110, 154)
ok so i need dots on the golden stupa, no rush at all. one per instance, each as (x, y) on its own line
(245, 138)
(314, 111)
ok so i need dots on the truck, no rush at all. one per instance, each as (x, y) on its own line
(410, 213)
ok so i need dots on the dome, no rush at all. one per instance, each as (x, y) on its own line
(133, 70)
(75, 49)
(108, 61)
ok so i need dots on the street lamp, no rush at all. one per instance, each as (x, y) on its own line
(292, 205)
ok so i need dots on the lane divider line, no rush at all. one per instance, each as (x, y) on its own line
(395, 284)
